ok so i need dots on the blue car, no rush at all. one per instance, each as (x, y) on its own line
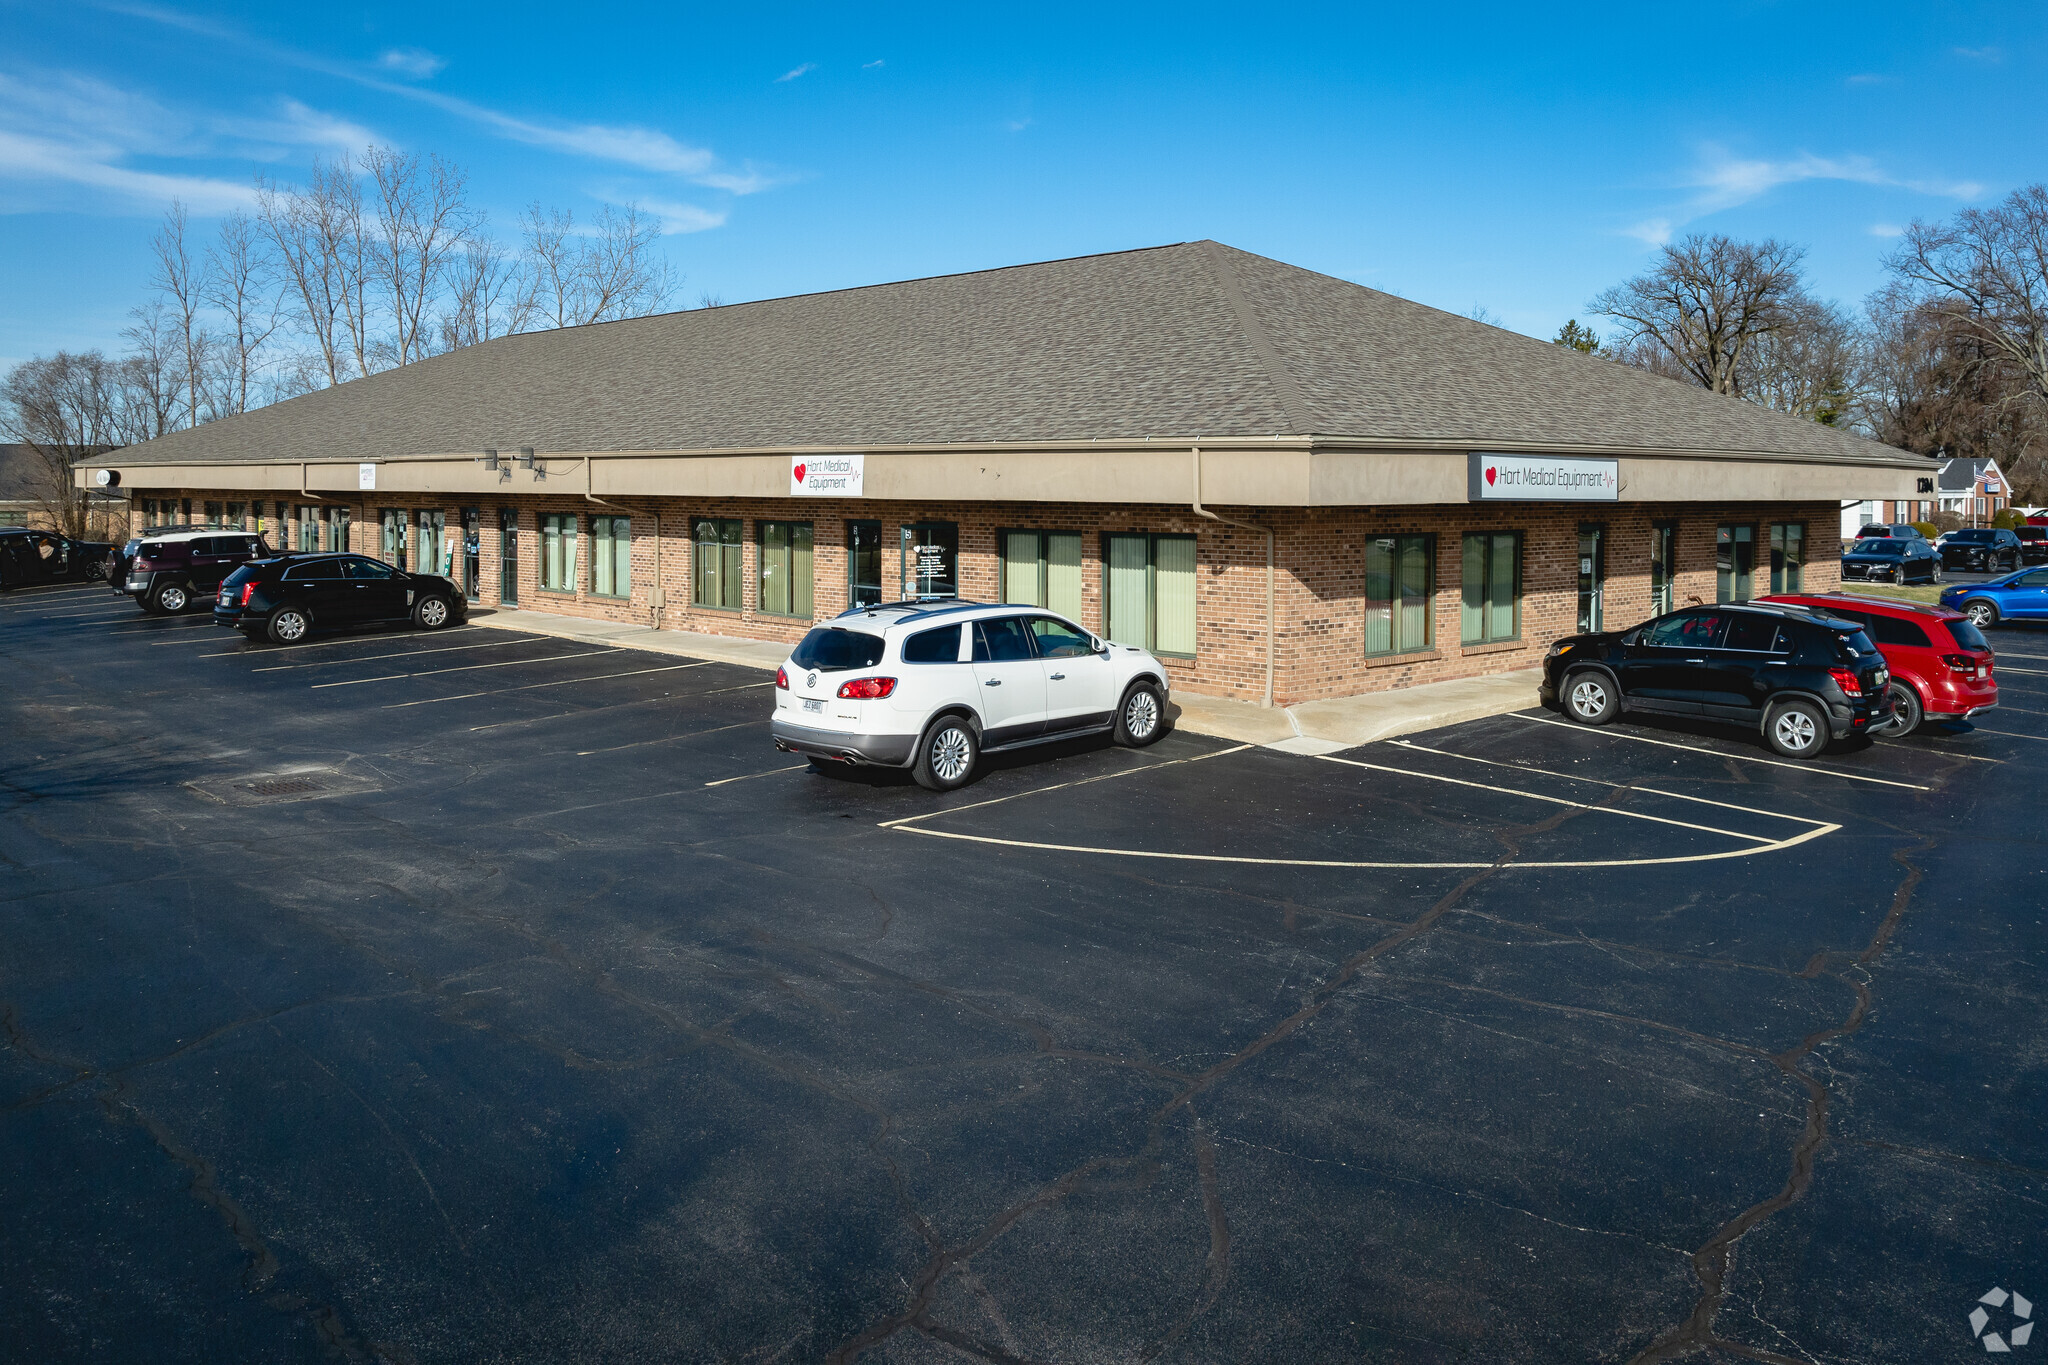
(2021, 596)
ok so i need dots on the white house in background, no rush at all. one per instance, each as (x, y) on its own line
(1975, 490)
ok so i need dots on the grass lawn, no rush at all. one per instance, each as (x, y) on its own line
(1916, 592)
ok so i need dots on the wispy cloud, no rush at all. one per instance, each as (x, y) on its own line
(1650, 232)
(873, 65)
(415, 62)
(1017, 125)
(1867, 78)
(1979, 54)
(679, 218)
(1886, 230)
(796, 71)
(1721, 181)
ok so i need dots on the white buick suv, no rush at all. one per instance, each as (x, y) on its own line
(931, 686)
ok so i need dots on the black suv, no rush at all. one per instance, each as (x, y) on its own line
(2033, 543)
(1802, 676)
(1892, 530)
(173, 570)
(287, 597)
(29, 557)
(1981, 548)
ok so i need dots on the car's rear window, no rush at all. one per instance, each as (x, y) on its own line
(941, 646)
(1896, 630)
(832, 649)
(1855, 642)
(239, 576)
(1968, 636)
(1973, 535)
(153, 549)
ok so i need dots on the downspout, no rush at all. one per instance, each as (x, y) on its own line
(589, 482)
(304, 491)
(1202, 511)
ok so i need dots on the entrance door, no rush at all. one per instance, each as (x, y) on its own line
(508, 555)
(472, 550)
(1592, 577)
(430, 554)
(863, 563)
(931, 560)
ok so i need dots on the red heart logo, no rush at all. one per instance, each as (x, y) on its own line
(1489, 476)
(798, 473)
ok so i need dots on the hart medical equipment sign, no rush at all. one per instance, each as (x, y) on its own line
(1541, 478)
(826, 476)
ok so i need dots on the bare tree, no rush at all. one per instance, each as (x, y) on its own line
(324, 249)
(423, 219)
(150, 377)
(1988, 270)
(554, 265)
(487, 294)
(1808, 367)
(177, 278)
(236, 286)
(62, 408)
(1704, 305)
(618, 273)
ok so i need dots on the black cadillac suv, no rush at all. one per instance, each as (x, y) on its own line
(1801, 676)
(289, 597)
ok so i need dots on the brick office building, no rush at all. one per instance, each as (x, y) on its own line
(1287, 485)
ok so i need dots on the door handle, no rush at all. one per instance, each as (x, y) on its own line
(1057, 676)
(993, 682)
(1695, 661)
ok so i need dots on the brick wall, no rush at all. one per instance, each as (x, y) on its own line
(1319, 583)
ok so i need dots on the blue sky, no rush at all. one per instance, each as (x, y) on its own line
(1516, 157)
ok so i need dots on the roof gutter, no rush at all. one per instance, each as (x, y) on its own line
(1201, 511)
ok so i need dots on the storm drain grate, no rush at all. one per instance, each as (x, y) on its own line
(278, 786)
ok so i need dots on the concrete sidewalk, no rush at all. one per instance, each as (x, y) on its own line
(1310, 727)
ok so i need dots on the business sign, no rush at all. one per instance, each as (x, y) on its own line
(826, 476)
(1541, 478)
(366, 476)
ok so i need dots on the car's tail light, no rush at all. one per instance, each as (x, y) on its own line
(1846, 680)
(1960, 663)
(866, 689)
(782, 678)
(248, 591)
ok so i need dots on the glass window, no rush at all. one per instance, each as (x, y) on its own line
(1896, 630)
(238, 515)
(863, 563)
(1693, 630)
(558, 551)
(930, 559)
(1750, 632)
(832, 649)
(1491, 608)
(1043, 569)
(431, 552)
(786, 558)
(611, 556)
(1058, 640)
(337, 528)
(213, 514)
(1734, 563)
(941, 646)
(508, 555)
(1399, 574)
(366, 568)
(1001, 641)
(309, 529)
(1149, 582)
(716, 582)
(392, 543)
(1663, 567)
(1788, 555)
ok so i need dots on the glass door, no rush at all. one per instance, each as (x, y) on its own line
(863, 563)
(1663, 566)
(1592, 578)
(930, 560)
(472, 550)
(508, 555)
(430, 555)
(394, 524)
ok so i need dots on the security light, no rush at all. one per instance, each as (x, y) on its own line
(490, 460)
(526, 457)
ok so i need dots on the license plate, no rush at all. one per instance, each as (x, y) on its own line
(816, 704)
(1883, 677)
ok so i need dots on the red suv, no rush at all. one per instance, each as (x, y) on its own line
(1940, 663)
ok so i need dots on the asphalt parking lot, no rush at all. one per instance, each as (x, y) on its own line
(480, 996)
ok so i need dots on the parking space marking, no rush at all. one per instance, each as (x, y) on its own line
(528, 687)
(461, 668)
(111, 609)
(399, 654)
(748, 777)
(1716, 753)
(351, 640)
(43, 592)
(1597, 781)
(1060, 786)
(668, 739)
(2009, 734)
(160, 626)
(2034, 672)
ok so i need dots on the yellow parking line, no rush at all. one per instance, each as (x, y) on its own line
(528, 687)
(1716, 753)
(461, 668)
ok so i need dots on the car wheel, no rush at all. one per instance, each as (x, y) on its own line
(1981, 613)
(946, 755)
(171, 600)
(1141, 718)
(1906, 712)
(96, 572)
(1796, 729)
(432, 613)
(1589, 698)
(289, 625)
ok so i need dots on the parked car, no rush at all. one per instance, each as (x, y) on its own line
(288, 597)
(1982, 548)
(1890, 530)
(29, 557)
(1891, 561)
(174, 570)
(2033, 543)
(1803, 677)
(118, 559)
(932, 687)
(1941, 665)
(2021, 596)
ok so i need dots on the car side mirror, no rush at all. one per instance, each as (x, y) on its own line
(1096, 646)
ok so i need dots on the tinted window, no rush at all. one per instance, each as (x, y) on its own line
(365, 568)
(299, 573)
(1972, 535)
(1058, 640)
(941, 646)
(1693, 630)
(830, 649)
(1967, 636)
(2031, 532)
(1001, 641)
(2037, 579)
(1890, 549)
(1895, 630)
(239, 576)
(1854, 643)
(1750, 632)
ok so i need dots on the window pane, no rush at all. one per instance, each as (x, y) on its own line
(1379, 596)
(1472, 611)
(1173, 583)
(1129, 611)
(801, 558)
(1503, 602)
(705, 541)
(1412, 574)
(774, 567)
(729, 567)
(1063, 573)
(1020, 567)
